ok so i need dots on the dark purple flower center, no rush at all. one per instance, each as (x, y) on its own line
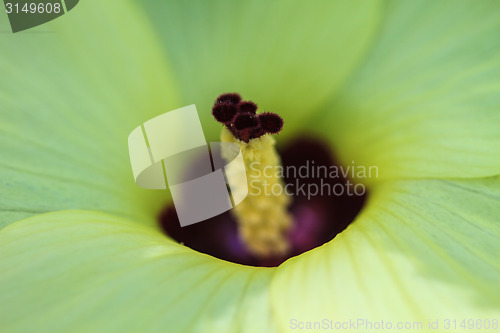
(318, 215)
(316, 218)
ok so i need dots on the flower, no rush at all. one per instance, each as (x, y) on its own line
(411, 87)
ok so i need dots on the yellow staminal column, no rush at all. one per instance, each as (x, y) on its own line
(263, 218)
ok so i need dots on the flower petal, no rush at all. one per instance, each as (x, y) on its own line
(71, 91)
(422, 250)
(91, 272)
(426, 101)
(287, 56)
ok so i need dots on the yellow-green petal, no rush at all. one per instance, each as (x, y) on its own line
(76, 271)
(422, 250)
(287, 56)
(71, 91)
(426, 101)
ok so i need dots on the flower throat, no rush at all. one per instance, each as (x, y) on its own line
(268, 227)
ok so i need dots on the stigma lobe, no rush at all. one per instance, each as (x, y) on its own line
(241, 118)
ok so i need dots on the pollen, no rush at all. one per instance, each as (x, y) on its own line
(263, 218)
